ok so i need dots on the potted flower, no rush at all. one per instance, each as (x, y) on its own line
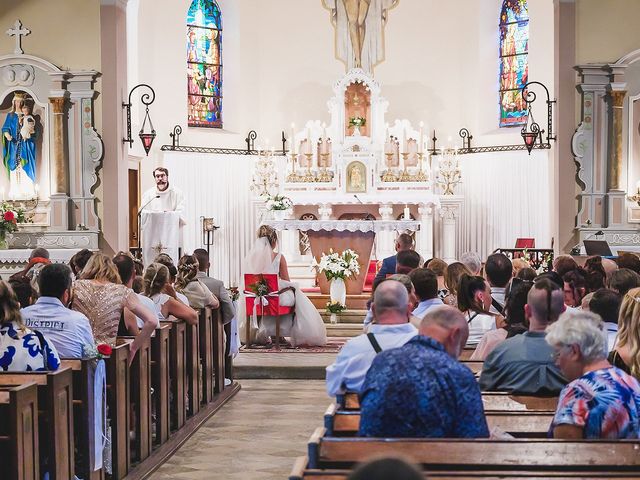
(9, 220)
(356, 123)
(336, 268)
(334, 308)
(279, 204)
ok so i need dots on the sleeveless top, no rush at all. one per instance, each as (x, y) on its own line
(616, 360)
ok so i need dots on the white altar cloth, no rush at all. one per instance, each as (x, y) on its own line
(346, 225)
(408, 197)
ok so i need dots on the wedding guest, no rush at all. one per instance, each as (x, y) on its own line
(519, 264)
(156, 279)
(515, 322)
(472, 261)
(474, 301)
(609, 266)
(439, 267)
(406, 261)
(125, 264)
(101, 297)
(595, 277)
(563, 264)
(391, 329)
(523, 364)
(69, 331)
(498, 270)
(630, 261)
(169, 288)
(388, 267)
(21, 286)
(413, 300)
(22, 349)
(452, 281)
(187, 283)
(79, 261)
(527, 274)
(600, 401)
(623, 280)
(37, 258)
(575, 287)
(584, 305)
(626, 353)
(606, 303)
(425, 283)
(420, 390)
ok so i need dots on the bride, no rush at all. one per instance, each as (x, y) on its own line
(307, 328)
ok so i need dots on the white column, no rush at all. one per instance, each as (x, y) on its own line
(424, 243)
(385, 240)
(449, 238)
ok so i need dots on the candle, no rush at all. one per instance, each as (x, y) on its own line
(324, 131)
(403, 144)
(421, 139)
(308, 149)
(293, 138)
(2, 192)
(407, 213)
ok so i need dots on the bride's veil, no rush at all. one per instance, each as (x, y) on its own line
(259, 258)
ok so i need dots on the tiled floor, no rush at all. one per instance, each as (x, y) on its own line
(257, 435)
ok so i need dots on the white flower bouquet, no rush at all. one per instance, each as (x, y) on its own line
(338, 265)
(278, 203)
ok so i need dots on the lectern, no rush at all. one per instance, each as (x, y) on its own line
(160, 233)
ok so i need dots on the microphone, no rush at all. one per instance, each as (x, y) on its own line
(358, 198)
(147, 204)
(576, 248)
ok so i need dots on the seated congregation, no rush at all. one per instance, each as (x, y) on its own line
(492, 351)
(151, 344)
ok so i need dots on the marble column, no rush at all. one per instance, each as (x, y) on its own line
(59, 168)
(448, 216)
(425, 235)
(614, 169)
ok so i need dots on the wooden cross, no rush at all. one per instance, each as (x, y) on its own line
(18, 32)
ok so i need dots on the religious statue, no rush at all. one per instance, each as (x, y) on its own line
(359, 30)
(19, 137)
(356, 177)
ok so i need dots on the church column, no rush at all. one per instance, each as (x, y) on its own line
(59, 168)
(615, 148)
(385, 239)
(425, 235)
(449, 214)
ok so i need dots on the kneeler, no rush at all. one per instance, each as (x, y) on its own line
(262, 297)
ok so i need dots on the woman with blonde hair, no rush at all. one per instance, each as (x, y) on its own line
(156, 277)
(307, 328)
(21, 349)
(197, 293)
(626, 353)
(452, 276)
(100, 295)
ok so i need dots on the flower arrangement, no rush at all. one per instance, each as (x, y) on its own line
(335, 307)
(10, 218)
(99, 352)
(357, 122)
(260, 288)
(338, 265)
(234, 293)
(278, 202)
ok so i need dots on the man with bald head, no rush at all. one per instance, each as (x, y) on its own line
(420, 389)
(524, 363)
(390, 329)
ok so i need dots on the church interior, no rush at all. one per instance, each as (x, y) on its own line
(287, 149)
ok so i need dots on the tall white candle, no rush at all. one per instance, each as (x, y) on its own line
(324, 131)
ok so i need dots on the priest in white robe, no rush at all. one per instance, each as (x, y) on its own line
(162, 233)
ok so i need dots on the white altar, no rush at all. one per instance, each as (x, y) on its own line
(359, 173)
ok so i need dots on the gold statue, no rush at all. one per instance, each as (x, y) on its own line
(357, 11)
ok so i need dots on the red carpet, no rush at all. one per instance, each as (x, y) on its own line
(334, 344)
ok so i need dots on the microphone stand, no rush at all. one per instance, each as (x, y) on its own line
(139, 214)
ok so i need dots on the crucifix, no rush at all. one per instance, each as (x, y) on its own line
(159, 248)
(18, 32)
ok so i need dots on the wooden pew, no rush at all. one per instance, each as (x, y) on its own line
(466, 353)
(55, 400)
(194, 369)
(207, 354)
(178, 361)
(218, 351)
(479, 454)
(19, 441)
(533, 424)
(160, 360)
(140, 397)
(490, 400)
(301, 472)
(118, 381)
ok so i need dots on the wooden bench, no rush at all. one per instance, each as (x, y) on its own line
(55, 401)
(19, 441)
(118, 381)
(140, 398)
(160, 360)
(533, 424)
(490, 401)
(587, 456)
(194, 370)
(177, 363)
(466, 353)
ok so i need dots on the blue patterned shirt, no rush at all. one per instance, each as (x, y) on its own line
(25, 350)
(419, 390)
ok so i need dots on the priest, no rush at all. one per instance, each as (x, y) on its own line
(161, 231)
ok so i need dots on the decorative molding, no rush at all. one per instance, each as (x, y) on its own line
(449, 212)
(346, 225)
(59, 240)
(579, 148)
(18, 75)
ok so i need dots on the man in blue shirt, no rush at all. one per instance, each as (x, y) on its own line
(69, 331)
(425, 284)
(420, 389)
(403, 242)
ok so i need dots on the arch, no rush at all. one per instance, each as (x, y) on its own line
(514, 64)
(204, 64)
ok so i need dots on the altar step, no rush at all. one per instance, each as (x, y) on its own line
(354, 302)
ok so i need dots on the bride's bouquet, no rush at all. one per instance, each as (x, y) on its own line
(338, 265)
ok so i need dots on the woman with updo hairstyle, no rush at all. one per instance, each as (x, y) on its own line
(307, 327)
(474, 301)
(156, 277)
(21, 349)
(452, 276)
(197, 293)
(101, 297)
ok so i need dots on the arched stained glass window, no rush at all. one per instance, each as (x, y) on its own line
(514, 65)
(204, 64)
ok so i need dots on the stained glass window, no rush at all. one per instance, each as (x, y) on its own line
(514, 66)
(204, 64)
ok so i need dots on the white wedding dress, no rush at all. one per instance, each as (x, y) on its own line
(307, 328)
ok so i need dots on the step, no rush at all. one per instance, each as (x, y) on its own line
(354, 302)
(343, 329)
(346, 316)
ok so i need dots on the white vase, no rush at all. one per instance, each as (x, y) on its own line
(279, 215)
(356, 131)
(333, 318)
(338, 291)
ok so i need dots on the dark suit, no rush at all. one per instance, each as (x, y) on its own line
(227, 312)
(388, 268)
